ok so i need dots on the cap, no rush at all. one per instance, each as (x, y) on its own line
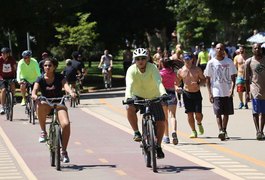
(187, 57)
(212, 43)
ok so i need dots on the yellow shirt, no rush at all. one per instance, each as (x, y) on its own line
(147, 85)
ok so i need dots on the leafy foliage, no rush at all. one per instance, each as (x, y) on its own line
(81, 35)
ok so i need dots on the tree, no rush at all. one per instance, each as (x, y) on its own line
(81, 35)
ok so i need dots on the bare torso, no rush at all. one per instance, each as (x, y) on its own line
(191, 78)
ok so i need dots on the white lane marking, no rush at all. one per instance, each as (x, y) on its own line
(196, 160)
(16, 155)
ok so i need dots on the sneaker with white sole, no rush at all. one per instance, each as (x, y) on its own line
(2, 111)
(65, 157)
(43, 137)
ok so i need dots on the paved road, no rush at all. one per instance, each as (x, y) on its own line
(101, 147)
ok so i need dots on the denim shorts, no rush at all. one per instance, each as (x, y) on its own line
(173, 98)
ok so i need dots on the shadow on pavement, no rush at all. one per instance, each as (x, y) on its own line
(74, 167)
(102, 95)
(178, 169)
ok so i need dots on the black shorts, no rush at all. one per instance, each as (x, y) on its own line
(156, 109)
(223, 105)
(192, 101)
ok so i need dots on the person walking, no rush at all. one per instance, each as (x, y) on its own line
(169, 80)
(255, 88)
(192, 77)
(239, 62)
(220, 75)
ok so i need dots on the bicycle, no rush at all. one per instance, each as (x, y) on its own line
(149, 140)
(76, 101)
(106, 77)
(9, 104)
(55, 135)
(30, 108)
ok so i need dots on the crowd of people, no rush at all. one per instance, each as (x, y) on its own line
(178, 74)
(222, 69)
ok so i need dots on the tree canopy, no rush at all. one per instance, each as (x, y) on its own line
(96, 25)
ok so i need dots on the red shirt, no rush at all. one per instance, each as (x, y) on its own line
(7, 70)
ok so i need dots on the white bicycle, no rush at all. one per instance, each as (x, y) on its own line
(106, 77)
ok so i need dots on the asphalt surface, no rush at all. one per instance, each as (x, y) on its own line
(101, 146)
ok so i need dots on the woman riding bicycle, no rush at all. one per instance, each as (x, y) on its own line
(50, 84)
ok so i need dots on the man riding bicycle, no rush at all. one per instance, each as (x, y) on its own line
(8, 68)
(28, 69)
(144, 81)
(106, 63)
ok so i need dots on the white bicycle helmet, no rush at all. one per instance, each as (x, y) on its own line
(140, 52)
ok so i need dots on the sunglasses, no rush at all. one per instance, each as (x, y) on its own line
(140, 58)
(47, 65)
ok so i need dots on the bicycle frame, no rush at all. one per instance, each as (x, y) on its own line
(54, 136)
(106, 77)
(149, 140)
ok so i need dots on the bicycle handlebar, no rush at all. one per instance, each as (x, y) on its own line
(146, 102)
(49, 100)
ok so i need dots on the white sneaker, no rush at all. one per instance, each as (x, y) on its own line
(2, 111)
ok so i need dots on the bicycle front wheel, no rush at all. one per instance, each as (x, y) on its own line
(57, 147)
(51, 144)
(11, 105)
(150, 127)
(145, 145)
(32, 114)
(7, 108)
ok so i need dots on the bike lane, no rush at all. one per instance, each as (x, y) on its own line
(98, 149)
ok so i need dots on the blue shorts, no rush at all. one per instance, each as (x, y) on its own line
(173, 98)
(258, 106)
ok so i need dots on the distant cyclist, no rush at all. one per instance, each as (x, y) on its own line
(144, 81)
(8, 67)
(50, 85)
(28, 69)
(70, 72)
(106, 63)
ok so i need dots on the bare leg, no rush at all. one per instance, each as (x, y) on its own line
(132, 117)
(160, 131)
(219, 122)
(165, 108)
(262, 122)
(256, 121)
(42, 111)
(225, 121)
(172, 116)
(191, 121)
(65, 124)
(198, 117)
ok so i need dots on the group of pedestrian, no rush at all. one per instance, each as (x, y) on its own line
(221, 75)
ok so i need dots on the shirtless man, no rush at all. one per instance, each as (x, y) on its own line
(192, 77)
(239, 62)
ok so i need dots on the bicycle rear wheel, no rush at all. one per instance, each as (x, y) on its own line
(152, 142)
(57, 147)
(145, 145)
